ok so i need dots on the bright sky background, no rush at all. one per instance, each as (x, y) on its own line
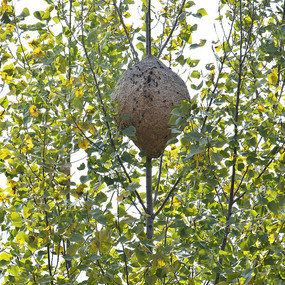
(205, 30)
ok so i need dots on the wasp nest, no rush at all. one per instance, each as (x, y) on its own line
(144, 95)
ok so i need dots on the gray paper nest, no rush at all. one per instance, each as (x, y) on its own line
(145, 94)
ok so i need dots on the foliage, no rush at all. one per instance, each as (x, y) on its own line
(219, 187)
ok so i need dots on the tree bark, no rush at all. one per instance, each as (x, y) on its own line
(149, 200)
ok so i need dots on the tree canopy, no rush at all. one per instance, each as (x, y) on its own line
(218, 188)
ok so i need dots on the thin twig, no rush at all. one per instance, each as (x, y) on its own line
(84, 135)
(235, 150)
(123, 247)
(243, 176)
(261, 173)
(218, 77)
(133, 202)
(158, 180)
(173, 29)
(135, 54)
(168, 196)
(148, 29)
(104, 110)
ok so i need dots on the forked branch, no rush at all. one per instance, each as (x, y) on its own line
(135, 54)
(173, 28)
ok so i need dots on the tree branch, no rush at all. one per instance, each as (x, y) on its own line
(103, 108)
(173, 29)
(148, 28)
(168, 196)
(149, 204)
(135, 54)
(261, 173)
(158, 180)
(233, 176)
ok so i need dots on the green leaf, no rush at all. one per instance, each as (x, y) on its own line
(4, 102)
(130, 131)
(39, 14)
(25, 13)
(195, 149)
(217, 157)
(56, 20)
(202, 12)
(133, 186)
(196, 136)
(94, 257)
(81, 167)
(247, 273)
(127, 157)
(195, 74)
(273, 207)
(140, 46)
(161, 272)
(77, 237)
(84, 179)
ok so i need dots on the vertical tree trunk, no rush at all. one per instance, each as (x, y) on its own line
(148, 29)
(149, 205)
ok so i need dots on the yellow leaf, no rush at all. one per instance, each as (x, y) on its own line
(28, 144)
(48, 229)
(2, 197)
(90, 110)
(180, 166)
(33, 111)
(72, 80)
(6, 77)
(273, 77)
(16, 219)
(271, 238)
(78, 93)
(2, 115)
(10, 27)
(160, 263)
(176, 202)
(123, 196)
(92, 129)
(5, 256)
(4, 153)
(203, 94)
(4, 5)
(174, 151)
(198, 157)
(58, 249)
(260, 108)
(33, 44)
(217, 48)
(11, 182)
(20, 238)
(28, 209)
(83, 144)
(38, 52)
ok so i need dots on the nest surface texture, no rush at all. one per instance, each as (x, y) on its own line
(145, 94)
